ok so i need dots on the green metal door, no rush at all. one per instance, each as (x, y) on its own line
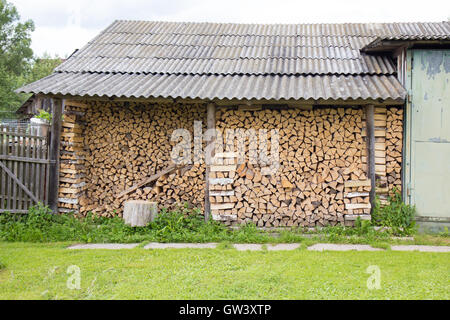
(429, 128)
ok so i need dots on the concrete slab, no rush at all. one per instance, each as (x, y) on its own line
(107, 246)
(155, 245)
(248, 247)
(420, 248)
(259, 247)
(283, 247)
(341, 247)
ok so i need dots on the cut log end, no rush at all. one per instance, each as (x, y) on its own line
(139, 213)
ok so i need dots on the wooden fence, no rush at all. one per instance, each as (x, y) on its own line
(24, 169)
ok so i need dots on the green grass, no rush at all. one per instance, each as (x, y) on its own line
(38, 271)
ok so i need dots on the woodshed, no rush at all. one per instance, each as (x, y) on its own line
(333, 94)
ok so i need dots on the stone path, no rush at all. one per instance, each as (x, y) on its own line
(156, 245)
(421, 248)
(260, 247)
(109, 246)
(341, 247)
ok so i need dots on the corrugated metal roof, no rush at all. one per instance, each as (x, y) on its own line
(220, 86)
(407, 29)
(252, 61)
(267, 66)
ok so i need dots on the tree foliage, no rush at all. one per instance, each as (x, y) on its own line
(18, 66)
(15, 54)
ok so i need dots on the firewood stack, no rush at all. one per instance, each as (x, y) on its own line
(394, 145)
(72, 185)
(128, 142)
(221, 190)
(110, 147)
(320, 149)
(388, 150)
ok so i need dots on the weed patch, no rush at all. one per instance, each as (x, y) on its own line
(398, 217)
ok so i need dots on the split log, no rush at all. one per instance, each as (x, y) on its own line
(149, 180)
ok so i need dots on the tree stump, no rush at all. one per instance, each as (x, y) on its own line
(139, 213)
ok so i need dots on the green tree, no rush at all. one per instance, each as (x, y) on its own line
(15, 57)
(42, 67)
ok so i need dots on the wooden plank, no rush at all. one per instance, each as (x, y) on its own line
(3, 176)
(24, 159)
(13, 211)
(357, 183)
(42, 172)
(379, 160)
(38, 169)
(380, 117)
(378, 133)
(221, 193)
(73, 103)
(28, 167)
(222, 206)
(18, 182)
(222, 217)
(224, 168)
(380, 146)
(16, 134)
(211, 124)
(244, 107)
(226, 155)
(55, 139)
(148, 180)
(14, 151)
(70, 190)
(354, 206)
(353, 217)
(380, 153)
(220, 181)
(371, 133)
(356, 194)
(21, 176)
(380, 110)
(47, 173)
(68, 171)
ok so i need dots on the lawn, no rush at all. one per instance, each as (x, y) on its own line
(39, 271)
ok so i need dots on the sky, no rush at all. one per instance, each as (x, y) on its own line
(64, 26)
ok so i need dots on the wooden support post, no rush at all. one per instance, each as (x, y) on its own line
(211, 124)
(55, 141)
(370, 138)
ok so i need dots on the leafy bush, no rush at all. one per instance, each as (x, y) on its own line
(44, 115)
(363, 231)
(397, 215)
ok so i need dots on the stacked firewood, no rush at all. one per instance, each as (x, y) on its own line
(109, 150)
(128, 142)
(320, 150)
(394, 145)
(72, 185)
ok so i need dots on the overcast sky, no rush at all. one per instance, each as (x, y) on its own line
(63, 26)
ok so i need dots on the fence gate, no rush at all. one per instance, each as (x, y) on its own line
(24, 169)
